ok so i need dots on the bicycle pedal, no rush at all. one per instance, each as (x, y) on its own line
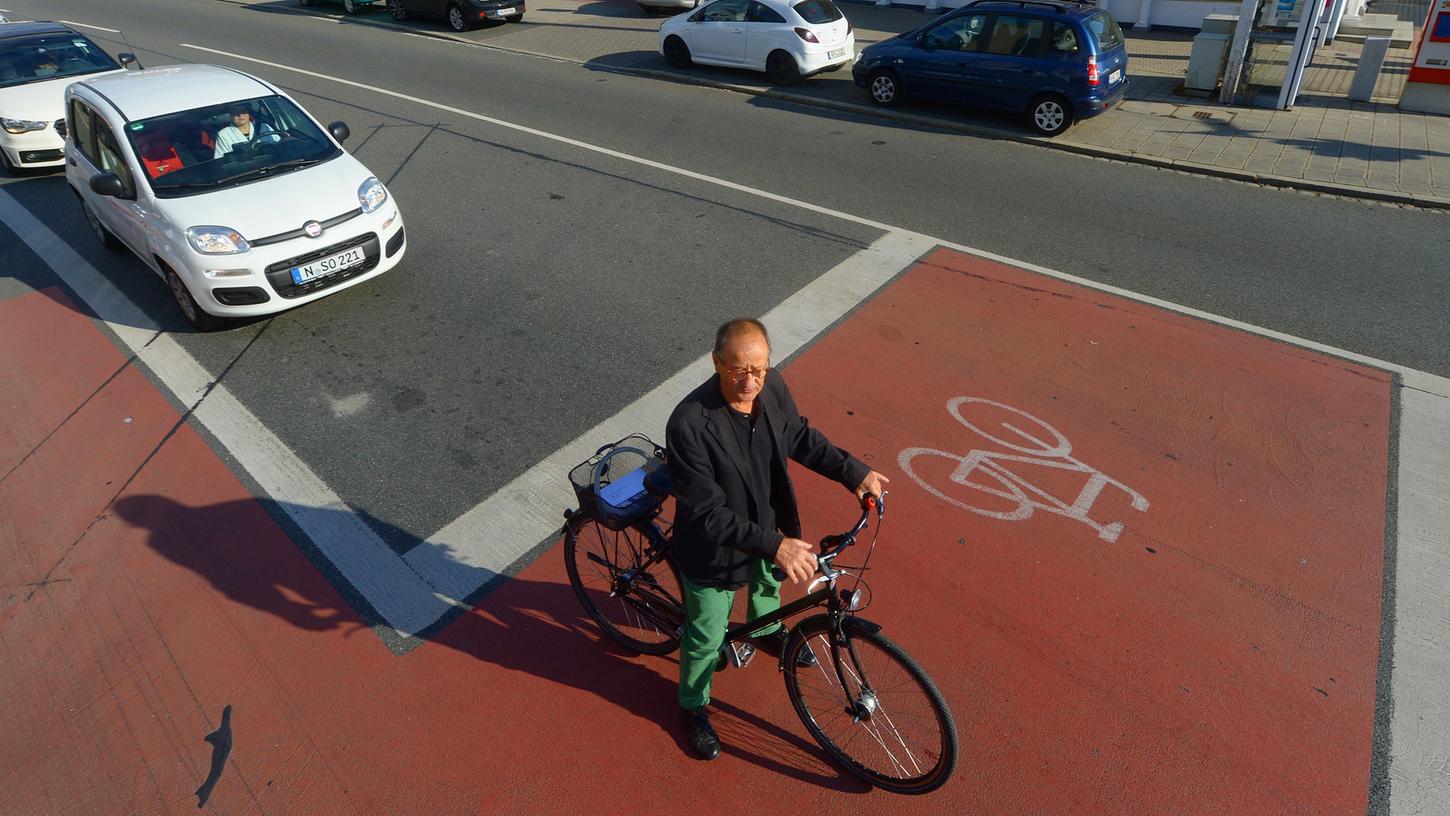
(741, 654)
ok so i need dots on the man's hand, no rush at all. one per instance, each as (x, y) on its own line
(797, 558)
(874, 483)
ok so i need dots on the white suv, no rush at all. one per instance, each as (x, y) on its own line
(227, 188)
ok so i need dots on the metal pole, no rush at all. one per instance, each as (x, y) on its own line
(1336, 13)
(1237, 50)
(1304, 42)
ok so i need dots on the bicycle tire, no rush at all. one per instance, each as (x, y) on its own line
(906, 704)
(644, 614)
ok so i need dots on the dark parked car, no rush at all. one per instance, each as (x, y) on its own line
(461, 15)
(1054, 61)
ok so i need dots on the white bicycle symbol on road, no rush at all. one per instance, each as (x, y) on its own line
(1029, 448)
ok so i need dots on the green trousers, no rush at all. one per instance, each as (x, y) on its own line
(707, 614)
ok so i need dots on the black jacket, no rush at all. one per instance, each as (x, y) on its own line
(714, 538)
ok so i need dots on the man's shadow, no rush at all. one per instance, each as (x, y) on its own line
(536, 627)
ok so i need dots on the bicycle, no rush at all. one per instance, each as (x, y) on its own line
(897, 732)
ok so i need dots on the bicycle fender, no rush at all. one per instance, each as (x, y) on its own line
(852, 624)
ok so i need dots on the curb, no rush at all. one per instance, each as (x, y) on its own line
(1196, 168)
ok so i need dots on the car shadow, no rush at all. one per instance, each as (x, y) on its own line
(829, 95)
(536, 627)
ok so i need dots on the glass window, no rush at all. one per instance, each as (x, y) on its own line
(82, 129)
(957, 34)
(226, 145)
(816, 12)
(1064, 39)
(1105, 30)
(726, 11)
(110, 158)
(1017, 35)
(50, 56)
(758, 13)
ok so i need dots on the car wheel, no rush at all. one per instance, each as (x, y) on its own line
(199, 319)
(1049, 114)
(395, 8)
(456, 19)
(677, 54)
(349, 6)
(782, 68)
(10, 169)
(98, 229)
(518, 19)
(885, 88)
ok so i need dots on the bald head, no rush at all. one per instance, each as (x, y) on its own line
(739, 329)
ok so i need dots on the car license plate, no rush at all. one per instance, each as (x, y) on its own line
(507, 12)
(839, 52)
(322, 267)
(1115, 77)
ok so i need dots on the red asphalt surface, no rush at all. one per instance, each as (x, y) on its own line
(1218, 657)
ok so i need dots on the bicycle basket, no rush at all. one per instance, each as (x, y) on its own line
(610, 484)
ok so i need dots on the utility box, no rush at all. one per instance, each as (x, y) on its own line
(1205, 62)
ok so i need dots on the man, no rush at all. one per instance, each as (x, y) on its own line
(735, 508)
(243, 129)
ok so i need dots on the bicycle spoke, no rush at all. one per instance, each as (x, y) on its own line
(883, 723)
(634, 598)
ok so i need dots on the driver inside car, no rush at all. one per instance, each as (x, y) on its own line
(244, 129)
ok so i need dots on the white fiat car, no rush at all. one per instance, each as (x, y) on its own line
(37, 61)
(787, 39)
(227, 189)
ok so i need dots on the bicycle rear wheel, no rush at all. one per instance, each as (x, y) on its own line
(902, 739)
(631, 591)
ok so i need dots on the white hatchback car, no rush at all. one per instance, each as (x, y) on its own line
(37, 61)
(788, 39)
(227, 189)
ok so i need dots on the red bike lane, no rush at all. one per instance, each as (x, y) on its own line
(1216, 653)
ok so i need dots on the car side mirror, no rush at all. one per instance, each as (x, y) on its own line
(108, 184)
(339, 131)
(923, 43)
(127, 59)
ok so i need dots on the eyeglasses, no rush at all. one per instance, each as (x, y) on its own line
(738, 373)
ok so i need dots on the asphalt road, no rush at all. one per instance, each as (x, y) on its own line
(546, 286)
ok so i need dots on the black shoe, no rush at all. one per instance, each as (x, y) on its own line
(701, 734)
(774, 644)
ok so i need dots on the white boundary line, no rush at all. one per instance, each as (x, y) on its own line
(399, 595)
(96, 27)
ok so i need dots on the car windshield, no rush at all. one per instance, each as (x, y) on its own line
(1105, 30)
(221, 146)
(817, 12)
(50, 56)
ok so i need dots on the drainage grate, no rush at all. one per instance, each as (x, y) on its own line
(1202, 115)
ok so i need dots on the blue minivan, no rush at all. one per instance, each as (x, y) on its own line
(1053, 61)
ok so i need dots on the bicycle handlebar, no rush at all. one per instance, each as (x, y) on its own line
(834, 545)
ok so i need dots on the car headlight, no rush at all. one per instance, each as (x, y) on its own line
(217, 240)
(371, 195)
(21, 125)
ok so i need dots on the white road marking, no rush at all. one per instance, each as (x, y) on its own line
(96, 27)
(398, 594)
(494, 534)
(1420, 678)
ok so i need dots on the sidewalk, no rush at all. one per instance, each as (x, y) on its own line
(1326, 144)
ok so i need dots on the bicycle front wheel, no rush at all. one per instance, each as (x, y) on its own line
(887, 724)
(630, 589)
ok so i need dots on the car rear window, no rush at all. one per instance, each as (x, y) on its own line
(1105, 30)
(817, 12)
